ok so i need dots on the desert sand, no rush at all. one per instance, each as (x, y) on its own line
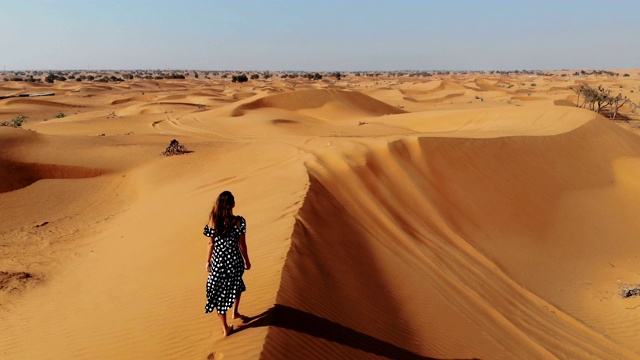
(454, 216)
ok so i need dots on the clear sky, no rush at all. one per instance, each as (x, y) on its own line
(321, 35)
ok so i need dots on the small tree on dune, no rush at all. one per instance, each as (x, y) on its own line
(600, 100)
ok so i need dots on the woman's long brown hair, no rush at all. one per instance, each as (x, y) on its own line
(222, 212)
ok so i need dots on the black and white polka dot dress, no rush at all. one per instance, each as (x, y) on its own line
(227, 267)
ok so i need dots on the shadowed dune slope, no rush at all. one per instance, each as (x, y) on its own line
(466, 248)
(315, 98)
(16, 175)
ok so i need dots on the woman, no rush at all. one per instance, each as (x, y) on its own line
(227, 250)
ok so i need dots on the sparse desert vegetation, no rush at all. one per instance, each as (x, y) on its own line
(16, 121)
(600, 100)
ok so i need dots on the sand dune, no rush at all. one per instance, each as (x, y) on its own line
(36, 102)
(450, 217)
(453, 246)
(18, 175)
(144, 99)
(311, 99)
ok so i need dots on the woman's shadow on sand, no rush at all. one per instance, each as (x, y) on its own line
(289, 318)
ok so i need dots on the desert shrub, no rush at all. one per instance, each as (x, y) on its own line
(239, 78)
(127, 76)
(625, 75)
(60, 115)
(316, 76)
(255, 76)
(17, 121)
(49, 79)
(175, 148)
(174, 76)
(16, 78)
(534, 84)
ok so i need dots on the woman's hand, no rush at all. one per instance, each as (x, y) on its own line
(247, 265)
(208, 267)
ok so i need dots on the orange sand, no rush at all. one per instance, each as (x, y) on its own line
(457, 217)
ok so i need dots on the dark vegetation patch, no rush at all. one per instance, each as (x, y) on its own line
(175, 148)
(16, 281)
(629, 291)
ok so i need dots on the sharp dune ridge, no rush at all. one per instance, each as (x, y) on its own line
(454, 217)
(436, 269)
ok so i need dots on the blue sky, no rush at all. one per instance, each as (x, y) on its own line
(319, 35)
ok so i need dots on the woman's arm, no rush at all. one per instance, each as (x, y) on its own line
(245, 253)
(209, 253)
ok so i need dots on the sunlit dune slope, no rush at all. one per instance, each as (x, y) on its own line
(494, 248)
(335, 103)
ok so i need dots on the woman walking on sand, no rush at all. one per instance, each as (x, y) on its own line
(227, 259)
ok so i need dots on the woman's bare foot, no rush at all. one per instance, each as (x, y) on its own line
(228, 331)
(244, 318)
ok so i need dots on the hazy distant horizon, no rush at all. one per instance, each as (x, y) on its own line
(312, 71)
(303, 35)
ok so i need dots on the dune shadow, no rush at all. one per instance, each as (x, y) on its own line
(289, 318)
(17, 175)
